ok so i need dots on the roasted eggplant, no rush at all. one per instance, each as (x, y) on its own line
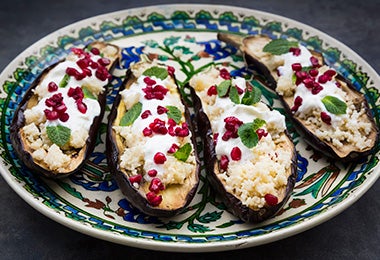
(250, 159)
(151, 144)
(55, 127)
(327, 111)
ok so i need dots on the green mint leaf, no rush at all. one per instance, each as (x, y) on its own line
(158, 72)
(251, 96)
(334, 105)
(183, 152)
(131, 115)
(234, 95)
(64, 81)
(279, 46)
(174, 113)
(248, 135)
(59, 134)
(257, 123)
(223, 87)
(88, 94)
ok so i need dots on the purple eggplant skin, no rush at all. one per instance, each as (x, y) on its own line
(79, 156)
(234, 204)
(269, 79)
(134, 197)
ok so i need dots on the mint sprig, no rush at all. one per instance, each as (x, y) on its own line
(59, 134)
(251, 96)
(131, 115)
(334, 105)
(87, 93)
(223, 88)
(174, 113)
(279, 46)
(234, 95)
(158, 72)
(247, 132)
(183, 152)
(64, 81)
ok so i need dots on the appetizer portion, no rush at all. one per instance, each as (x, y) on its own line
(151, 144)
(328, 111)
(250, 159)
(55, 127)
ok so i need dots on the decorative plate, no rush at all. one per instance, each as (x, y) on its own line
(183, 36)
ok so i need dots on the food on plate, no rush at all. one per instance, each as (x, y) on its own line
(250, 159)
(330, 114)
(151, 143)
(55, 127)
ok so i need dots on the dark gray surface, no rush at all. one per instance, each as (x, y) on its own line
(27, 234)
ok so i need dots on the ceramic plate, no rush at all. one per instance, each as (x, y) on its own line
(185, 37)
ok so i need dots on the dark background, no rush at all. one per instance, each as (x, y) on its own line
(353, 234)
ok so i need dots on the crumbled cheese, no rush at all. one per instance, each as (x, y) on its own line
(176, 172)
(78, 138)
(55, 158)
(132, 159)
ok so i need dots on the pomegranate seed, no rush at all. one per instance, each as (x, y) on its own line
(95, 51)
(296, 51)
(156, 185)
(301, 74)
(173, 148)
(77, 51)
(94, 65)
(270, 199)
(323, 79)
(51, 115)
(313, 72)
(227, 135)
(50, 103)
(326, 118)
(171, 70)
(316, 88)
(60, 108)
(83, 63)
(239, 90)
(52, 86)
(64, 117)
(153, 199)
(104, 61)
(149, 81)
(171, 131)
(212, 91)
(87, 72)
(135, 178)
(183, 132)
(152, 173)
(224, 74)
(72, 72)
(309, 83)
(82, 107)
(147, 131)
(215, 138)
(261, 133)
(145, 114)
(314, 62)
(159, 158)
(102, 74)
(337, 83)
(171, 122)
(330, 73)
(236, 154)
(298, 101)
(224, 162)
(296, 67)
(161, 110)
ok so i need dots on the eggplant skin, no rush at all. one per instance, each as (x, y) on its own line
(233, 204)
(132, 194)
(269, 79)
(80, 156)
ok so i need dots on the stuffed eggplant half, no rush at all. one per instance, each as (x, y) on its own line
(250, 159)
(330, 114)
(151, 144)
(55, 127)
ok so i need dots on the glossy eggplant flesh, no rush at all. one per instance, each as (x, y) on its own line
(250, 159)
(150, 142)
(328, 112)
(55, 127)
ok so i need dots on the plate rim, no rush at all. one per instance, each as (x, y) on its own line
(179, 245)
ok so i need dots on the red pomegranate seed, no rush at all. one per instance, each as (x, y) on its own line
(51, 115)
(147, 131)
(314, 62)
(145, 114)
(135, 178)
(156, 185)
(102, 74)
(171, 122)
(60, 108)
(171, 70)
(149, 81)
(82, 107)
(224, 162)
(159, 158)
(326, 118)
(337, 83)
(296, 51)
(161, 110)
(296, 66)
(298, 101)
(330, 73)
(227, 135)
(212, 91)
(153, 199)
(261, 133)
(87, 72)
(309, 83)
(224, 74)
(72, 72)
(173, 148)
(77, 51)
(239, 90)
(215, 138)
(64, 117)
(52, 86)
(104, 61)
(270, 199)
(323, 78)
(95, 51)
(50, 103)
(236, 154)
(316, 88)
(313, 72)
(171, 131)
(83, 63)
(152, 173)
(183, 132)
